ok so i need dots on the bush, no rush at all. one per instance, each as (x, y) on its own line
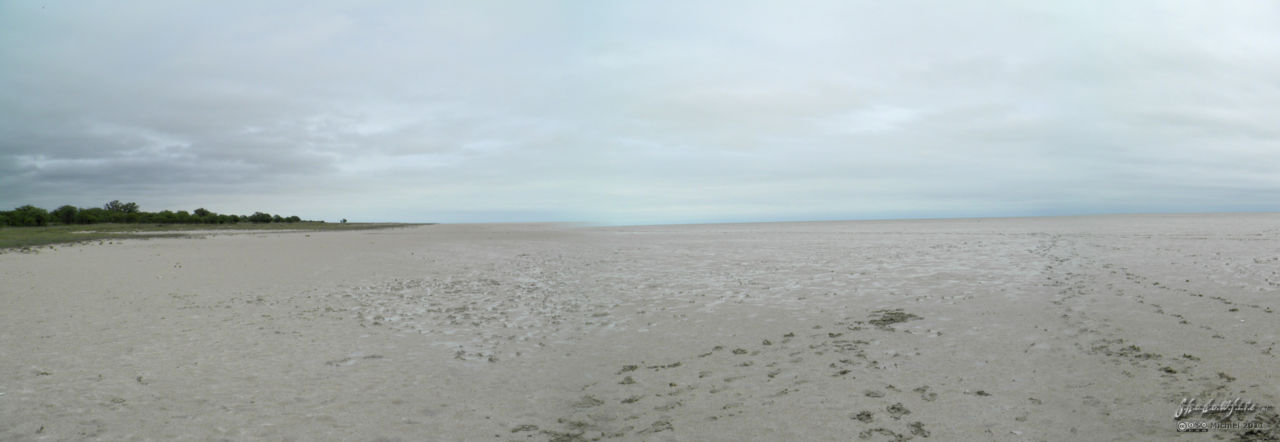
(117, 206)
(65, 214)
(28, 215)
(118, 212)
(91, 216)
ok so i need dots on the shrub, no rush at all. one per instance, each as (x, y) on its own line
(65, 214)
(28, 215)
(117, 206)
(118, 212)
(92, 215)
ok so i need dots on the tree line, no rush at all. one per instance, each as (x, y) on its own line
(129, 213)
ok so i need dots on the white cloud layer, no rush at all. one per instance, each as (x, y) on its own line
(642, 112)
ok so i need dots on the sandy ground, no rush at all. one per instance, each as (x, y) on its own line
(1082, 328)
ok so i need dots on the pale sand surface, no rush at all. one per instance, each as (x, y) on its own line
(1079, 328)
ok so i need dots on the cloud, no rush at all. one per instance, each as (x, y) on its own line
(653, 112)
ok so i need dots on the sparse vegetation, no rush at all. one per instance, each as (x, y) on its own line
(30, 226)
(127, 213)
(25, 237)
(886, 318)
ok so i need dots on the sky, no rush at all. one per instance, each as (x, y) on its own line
(621, 112)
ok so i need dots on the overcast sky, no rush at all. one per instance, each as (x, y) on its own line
(642, 112)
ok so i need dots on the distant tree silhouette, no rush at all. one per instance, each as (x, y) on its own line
(118, 212)
(27, 216)
(91, 215)
(117, 206)
(65, 214)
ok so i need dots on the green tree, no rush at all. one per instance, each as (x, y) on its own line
(91, 215)
(293, 219)
(259, 217)
(166, 217)
(205, 216)
(65, 214)
(117, 206)
(28, 215)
